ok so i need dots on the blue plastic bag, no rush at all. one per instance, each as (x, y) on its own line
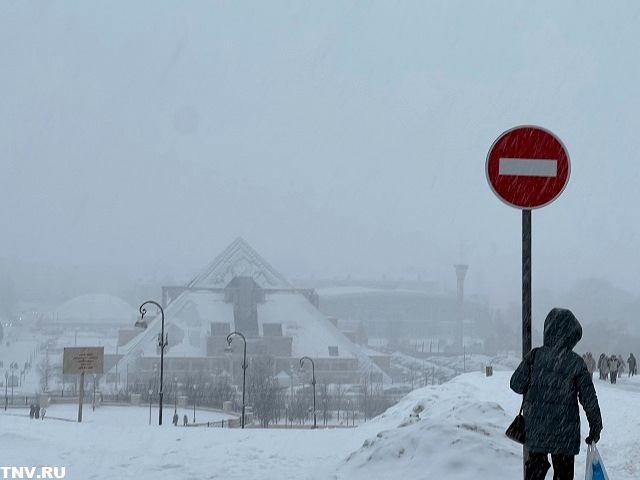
(595, 467)
(597, 473)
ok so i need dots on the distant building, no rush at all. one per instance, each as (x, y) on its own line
(401, 314)
(96, 312)
(239, 291)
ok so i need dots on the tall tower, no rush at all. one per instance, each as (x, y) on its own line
(461, 272)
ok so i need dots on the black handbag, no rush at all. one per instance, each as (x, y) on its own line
(516, 431)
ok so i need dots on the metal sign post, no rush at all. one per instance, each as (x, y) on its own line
(83, 360)
(527, 167)
(81, 397)
(526, 282)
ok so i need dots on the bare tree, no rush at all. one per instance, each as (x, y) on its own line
(372, 400)
(302, 403)
(326, 401)
(263, 390)
(46, 372)
(338, 395)
(222, 390)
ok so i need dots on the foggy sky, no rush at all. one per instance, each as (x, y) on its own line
(337, 138)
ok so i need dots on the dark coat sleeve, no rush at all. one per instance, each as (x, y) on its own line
(520, 378)
(589, 400)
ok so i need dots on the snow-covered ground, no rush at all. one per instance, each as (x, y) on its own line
(138, 415)
(459, 435)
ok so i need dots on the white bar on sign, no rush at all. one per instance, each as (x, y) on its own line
(528, 168)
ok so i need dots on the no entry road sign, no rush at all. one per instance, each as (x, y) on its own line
(527, 167)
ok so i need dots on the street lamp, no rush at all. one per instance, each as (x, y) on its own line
(194, 402)
(313, 383)
(6, 386)
(175, 386)
(163, 341)
(150, 393)
(94, 392)
(228, 349)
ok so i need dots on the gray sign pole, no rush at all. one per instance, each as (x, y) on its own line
(526, 301)
(81, 397)
(526, 282)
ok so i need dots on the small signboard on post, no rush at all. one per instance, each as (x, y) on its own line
(82, 360)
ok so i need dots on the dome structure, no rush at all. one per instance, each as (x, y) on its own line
(94, 310)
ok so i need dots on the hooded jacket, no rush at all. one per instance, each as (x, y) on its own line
(558, 381)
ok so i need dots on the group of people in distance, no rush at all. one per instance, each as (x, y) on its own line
(610, 367)
(36, 412)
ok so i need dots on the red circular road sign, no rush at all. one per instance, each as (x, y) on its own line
(528, 167)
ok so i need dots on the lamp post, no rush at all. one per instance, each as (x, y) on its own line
(228, 349)
(163, 341)
(313, 383)
(94, 392)
(6, 386)
(175, 386)
(195, 389)
(291, 415)
(117, 361)
(150, 393)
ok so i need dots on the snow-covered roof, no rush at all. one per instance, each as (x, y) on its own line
(86, 339)
(351, 290)
(96, 308)
(239, 260)
(357, 290)
(188, 321)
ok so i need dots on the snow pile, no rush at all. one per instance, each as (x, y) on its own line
(450, 431)
(453, 431)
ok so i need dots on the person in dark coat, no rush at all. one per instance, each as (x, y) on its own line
(37, 410)
(175, 418)
(631, 361)
(613, 364)
(32, 411)
(602, 366)
(185, 420)
(558, 380)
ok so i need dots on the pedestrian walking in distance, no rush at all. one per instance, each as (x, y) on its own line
(631, 361)
(613, 364)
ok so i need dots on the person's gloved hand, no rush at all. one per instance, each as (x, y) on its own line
(593, 437)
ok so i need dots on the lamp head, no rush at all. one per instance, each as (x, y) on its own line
(228, 350)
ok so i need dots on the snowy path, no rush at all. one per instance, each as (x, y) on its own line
(459, 436)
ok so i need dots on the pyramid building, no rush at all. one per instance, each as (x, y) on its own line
(239, 292)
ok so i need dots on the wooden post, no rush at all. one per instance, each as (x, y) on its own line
(81, 397)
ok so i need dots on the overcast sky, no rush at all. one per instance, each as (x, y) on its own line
(338, 138)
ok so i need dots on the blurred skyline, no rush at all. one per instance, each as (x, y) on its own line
(338, 138)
